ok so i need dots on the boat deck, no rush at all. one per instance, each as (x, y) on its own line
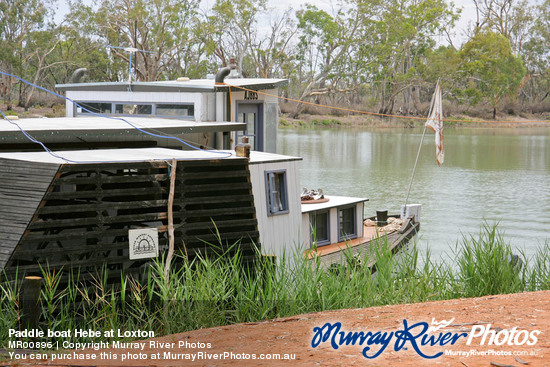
(395, 237)
(369, 233)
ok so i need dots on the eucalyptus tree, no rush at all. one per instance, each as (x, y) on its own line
(163, 28)
(271, 54)
(19, 19)
(490, 69)
(511, 18)
(396, 43)
(536, 54)
(77, 50)
(233, 28)
(325, 46)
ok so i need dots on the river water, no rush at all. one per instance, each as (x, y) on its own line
(489, 175)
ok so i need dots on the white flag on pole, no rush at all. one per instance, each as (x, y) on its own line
(435, 122)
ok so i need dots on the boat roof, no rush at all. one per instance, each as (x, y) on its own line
(117, 155)
(137, 155)
(264, 157)
(191, 85)
(333, 201)
(86, 129)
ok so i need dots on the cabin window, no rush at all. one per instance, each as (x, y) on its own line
(180, 110)
(133, 109)
(320, 224)
(94, 107)
(276, 192)
(347, 227)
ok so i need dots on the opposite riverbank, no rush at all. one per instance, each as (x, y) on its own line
(343, 120)
(372, 121)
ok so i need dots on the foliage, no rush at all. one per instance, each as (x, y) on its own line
(162, 28)
(383, 56)
(486, 265)
(401, 37)
(209, 292)
(21, 24)
(490, 69)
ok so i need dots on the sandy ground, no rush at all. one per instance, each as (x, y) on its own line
(518, 316)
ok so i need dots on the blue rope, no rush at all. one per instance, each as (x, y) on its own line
(34, 140)
(225, 154)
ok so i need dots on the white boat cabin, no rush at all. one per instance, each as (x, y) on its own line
(335, 219)
(276, 188)
(253, 102)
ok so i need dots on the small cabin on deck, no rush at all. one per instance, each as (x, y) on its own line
(253, 102)
(332, 220)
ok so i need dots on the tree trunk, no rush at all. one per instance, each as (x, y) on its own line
(416, 99)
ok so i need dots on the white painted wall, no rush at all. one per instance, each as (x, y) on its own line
(278, 233)
(360, 210)
(207, 106)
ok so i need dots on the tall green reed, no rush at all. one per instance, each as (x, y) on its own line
(486, 266)
(217, 290)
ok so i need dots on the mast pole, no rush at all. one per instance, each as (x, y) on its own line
(415, 164)
(420, 148)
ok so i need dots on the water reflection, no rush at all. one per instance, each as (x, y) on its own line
(498, 175)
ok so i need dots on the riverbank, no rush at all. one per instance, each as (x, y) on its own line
(216, 293)
(373, 121)
(292, 337)
(349, 120)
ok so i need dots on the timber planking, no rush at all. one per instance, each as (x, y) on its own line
(78, 215)
(18, 204)
(217, 207)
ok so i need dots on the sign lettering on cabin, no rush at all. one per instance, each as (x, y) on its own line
(250, 95)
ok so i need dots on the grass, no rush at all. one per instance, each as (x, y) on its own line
(210, 292)
(321, 122)
(326, 122)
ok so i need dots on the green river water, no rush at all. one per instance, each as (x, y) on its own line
(493, 175)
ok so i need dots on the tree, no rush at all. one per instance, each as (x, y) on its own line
(164, 28)
(39, 46)
(233, 29)
(76, 51)
(510, 18)
(490, 69)
(19, 19)
(324, 47)
(536, 54)
(397, 42)
(269, 54)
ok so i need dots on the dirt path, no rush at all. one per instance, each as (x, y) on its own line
(517, 315)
